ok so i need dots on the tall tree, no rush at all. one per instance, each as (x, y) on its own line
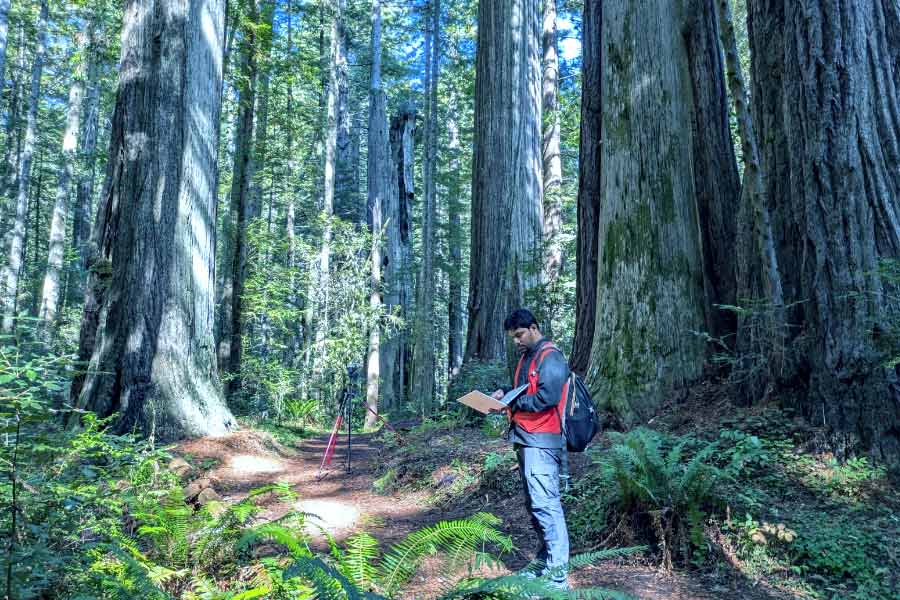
(337, 76)
(552, 160)
(506, 172)
(153, 360)
(650, 296)
(12, 271)
(84, 195)
(255, 44)
(760, 332)
(422, 378)
(717, 184)
(455, 307)
(58, 223)
(398, 256)
(346, 154)
(4, 32)
(825, 88)
(379, 183)
(589, 188)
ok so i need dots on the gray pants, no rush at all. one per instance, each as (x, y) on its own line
(539, 468)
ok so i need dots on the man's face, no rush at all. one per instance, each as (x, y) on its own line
(525, 337)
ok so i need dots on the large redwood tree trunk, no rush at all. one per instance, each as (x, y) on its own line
(826, 80)
(589, 191)
(716, 182)
(650, 295)
(506, 172)
(153, 356)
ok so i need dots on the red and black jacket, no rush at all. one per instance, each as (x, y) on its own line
(536, 414)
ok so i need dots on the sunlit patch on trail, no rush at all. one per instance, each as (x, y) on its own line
(328, 515)
(248, 464)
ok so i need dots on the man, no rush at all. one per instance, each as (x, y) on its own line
(536, 434)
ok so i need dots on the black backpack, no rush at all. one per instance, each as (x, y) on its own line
(581, 421)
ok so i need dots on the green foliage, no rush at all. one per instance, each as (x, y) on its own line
(499, 472)
(477, 375)
(514, 587)
(660, 488)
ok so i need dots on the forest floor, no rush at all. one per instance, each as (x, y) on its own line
(348, 502)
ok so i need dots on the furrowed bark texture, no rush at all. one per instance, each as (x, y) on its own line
(84, 194)
(589, 189)
(760, 332)
(507, 173)
(379, 183)
(398, 257)
(552, 161)
(716, 181)
(650, 294)
(347, 204)
(833, 118)
(153, 360)
(12, 271)
(424, 365)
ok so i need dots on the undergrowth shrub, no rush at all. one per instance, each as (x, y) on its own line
(648, 487)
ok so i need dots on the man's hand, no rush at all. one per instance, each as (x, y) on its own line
(498, 395)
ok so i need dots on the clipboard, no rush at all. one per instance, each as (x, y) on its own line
(485, 404)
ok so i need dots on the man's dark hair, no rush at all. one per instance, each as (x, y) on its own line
(521, 317)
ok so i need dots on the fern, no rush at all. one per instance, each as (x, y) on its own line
(276, 533)
(591, 558)
(515, 587)
(328, 582)
(456, 537)
(357, 561)
(645, 481)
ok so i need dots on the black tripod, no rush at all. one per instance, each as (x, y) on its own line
(345, 412)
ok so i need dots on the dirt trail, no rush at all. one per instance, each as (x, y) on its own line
(346, 503)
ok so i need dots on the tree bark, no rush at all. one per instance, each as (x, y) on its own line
(12, 271)
(456, 323)
(50, 293)
(379, 183)
(589, 188)
(398, 257)
(84, 195)
(717, 184)
(552, 161)
(242, 205)
(154, 357)
(322, 277)
(424, 366)
(650, 296)
(761, 331)
(347, 203)
(829, 105)
(507, 205)
(4, 32)
(239, 206)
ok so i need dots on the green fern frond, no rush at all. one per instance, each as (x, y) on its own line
(327, 581)
(357, 561)
(464, 535)
(274, 533)
(591, 558)
(516, 587)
